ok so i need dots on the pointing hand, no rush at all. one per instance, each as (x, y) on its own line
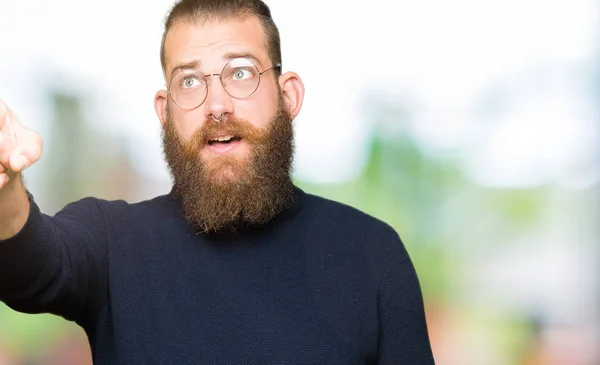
(19, 146)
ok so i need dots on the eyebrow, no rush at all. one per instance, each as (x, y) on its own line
(185, 66)
(194, 65)
(232, 55)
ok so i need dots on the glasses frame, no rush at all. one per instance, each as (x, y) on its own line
(207, 76)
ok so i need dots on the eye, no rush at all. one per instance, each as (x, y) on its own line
(241, 74)
(190, 82)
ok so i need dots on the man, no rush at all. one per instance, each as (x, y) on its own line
(235, 265)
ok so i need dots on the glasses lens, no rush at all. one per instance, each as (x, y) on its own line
(188, 89)
(240, 78)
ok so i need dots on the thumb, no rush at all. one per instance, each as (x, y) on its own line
(19, 162)
(27, 151)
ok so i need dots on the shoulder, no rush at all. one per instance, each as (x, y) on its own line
(343, 222)
(349, 238)
(158, 203)
(116, 209)
(336, 212)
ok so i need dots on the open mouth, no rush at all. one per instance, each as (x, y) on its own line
(223, 140)
(223, 144)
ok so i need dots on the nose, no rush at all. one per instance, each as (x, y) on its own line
(218, 102)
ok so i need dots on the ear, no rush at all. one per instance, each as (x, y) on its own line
(160, 106)
(292, 89)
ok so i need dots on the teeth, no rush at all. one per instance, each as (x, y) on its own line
(222, 139)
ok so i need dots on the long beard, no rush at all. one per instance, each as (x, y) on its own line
(227, 194)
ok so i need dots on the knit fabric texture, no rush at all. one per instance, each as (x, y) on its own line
(323, 283)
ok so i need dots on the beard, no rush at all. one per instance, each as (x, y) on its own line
(228, 193)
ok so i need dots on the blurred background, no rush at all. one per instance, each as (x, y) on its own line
(472, 127)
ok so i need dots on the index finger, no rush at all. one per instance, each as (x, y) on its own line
(3, 113)
(6, 120)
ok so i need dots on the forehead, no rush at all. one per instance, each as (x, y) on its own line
(209, 42)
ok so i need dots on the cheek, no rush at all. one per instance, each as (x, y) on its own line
(257, 110)
(187, 122)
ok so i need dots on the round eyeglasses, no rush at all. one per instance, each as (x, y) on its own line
(240, 79)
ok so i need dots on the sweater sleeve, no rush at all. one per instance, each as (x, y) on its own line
(56, 264)
(403, 336)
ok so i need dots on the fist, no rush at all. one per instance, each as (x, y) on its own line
(19, 146)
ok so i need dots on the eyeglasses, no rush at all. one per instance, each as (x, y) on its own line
(240, 79)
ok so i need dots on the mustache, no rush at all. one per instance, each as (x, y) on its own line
(230, 125)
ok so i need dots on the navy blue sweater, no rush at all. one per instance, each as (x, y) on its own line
(322, 283)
